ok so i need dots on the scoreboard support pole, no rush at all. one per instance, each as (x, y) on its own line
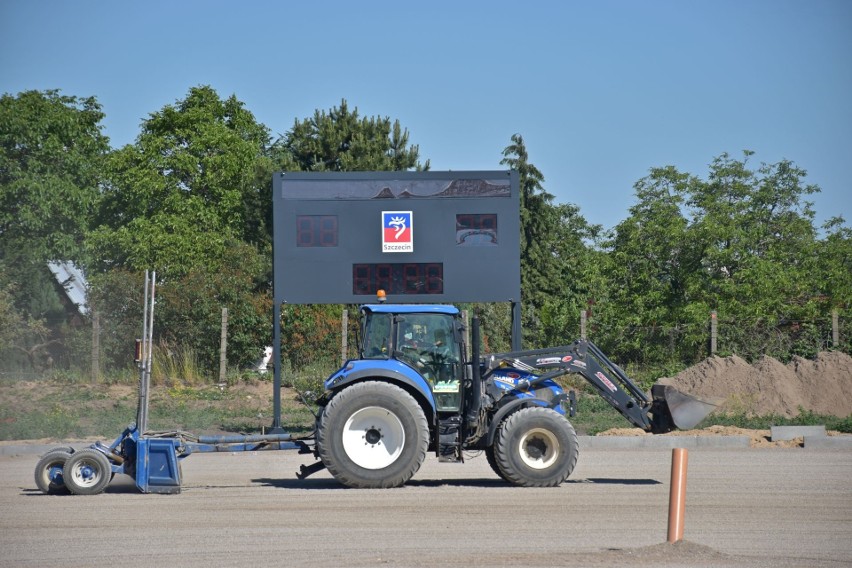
(516, 326)
(276, 369)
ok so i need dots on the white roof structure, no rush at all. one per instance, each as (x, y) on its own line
(72, 281)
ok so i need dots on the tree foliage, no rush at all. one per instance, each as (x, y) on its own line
(558, 268)
(52, 153)
(339, 140)
(191, 198)
(742, 243)
(51, 158)
(191, 183)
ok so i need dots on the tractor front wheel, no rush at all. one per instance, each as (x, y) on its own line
(536, 447)
(373, 435)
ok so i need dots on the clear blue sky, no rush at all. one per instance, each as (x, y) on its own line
(601, 91)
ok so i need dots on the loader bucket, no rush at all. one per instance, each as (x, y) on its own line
(674, 409)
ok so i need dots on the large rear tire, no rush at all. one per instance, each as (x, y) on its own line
(373, 435)
(491, 457)
(49, 476)
(536, 447)
(87, 472)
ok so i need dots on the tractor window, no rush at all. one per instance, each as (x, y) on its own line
(376, 336)
(426, 342)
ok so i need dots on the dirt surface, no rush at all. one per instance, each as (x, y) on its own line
(744, 508)
(822, 386)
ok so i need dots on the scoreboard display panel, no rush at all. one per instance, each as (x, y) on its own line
(435, 237)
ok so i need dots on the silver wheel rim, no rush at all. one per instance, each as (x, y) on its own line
(538, 448)
(86, 473)
(373, 437)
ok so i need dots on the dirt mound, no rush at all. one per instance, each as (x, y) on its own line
(822, 386)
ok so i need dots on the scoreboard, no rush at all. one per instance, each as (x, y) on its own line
(339, 237)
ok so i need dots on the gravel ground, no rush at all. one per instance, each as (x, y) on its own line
(766, 507)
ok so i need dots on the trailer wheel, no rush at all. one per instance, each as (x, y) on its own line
(536, 447)
(87, 472)
(372, 435)
(49, 475)
(68, 449)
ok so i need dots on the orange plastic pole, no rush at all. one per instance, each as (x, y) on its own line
(677, 494)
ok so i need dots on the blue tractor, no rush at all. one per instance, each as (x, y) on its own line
(414, 390)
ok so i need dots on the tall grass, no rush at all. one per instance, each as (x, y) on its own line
(176, 366)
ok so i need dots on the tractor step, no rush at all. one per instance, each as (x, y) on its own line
(449, 442)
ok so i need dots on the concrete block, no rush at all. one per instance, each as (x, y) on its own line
(792, 432)
(829, 442)
(661, 442)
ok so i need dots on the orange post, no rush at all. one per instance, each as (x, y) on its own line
(677, 494)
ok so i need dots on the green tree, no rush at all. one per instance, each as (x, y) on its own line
(189, 311)
(340, 140)
(649, 272)
(196, 178)
(755, 235)
(51, 158)
(557, 266)
(52, 153)
(742, 242)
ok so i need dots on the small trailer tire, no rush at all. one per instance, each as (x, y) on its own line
(536, 447)
(87, 472)
(373, 435)
(49, 472)
(68, 449)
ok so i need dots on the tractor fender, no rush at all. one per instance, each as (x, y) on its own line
(390, 370)
(507, 409)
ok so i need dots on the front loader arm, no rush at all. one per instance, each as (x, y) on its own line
(587, 360)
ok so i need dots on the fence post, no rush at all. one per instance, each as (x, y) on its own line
(96, 346)
(713, 324)
(344, 336)
(835, 328)
(583, 315)
(466, 323)
(223, 347)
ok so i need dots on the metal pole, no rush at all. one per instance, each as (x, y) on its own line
(583, 316)
(516, 327)
(150, 358)
(677, 494)
(276, 367)
(344, 336)
(143, 357)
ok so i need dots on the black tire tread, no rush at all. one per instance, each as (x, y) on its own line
(522, 420)
(103, 464)
(334, 417)
(48, 460)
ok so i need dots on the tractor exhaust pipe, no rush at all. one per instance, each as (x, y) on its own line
(472, 416)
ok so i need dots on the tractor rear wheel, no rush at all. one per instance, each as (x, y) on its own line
(536, 447)
(372, 435)
(491, 457)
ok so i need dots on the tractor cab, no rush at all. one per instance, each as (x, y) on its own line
(427, 339)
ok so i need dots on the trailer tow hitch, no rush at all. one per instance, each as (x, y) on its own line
(306, 470)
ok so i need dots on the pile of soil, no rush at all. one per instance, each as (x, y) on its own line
(821, 386)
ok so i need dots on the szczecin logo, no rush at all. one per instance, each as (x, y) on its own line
(397, 231)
